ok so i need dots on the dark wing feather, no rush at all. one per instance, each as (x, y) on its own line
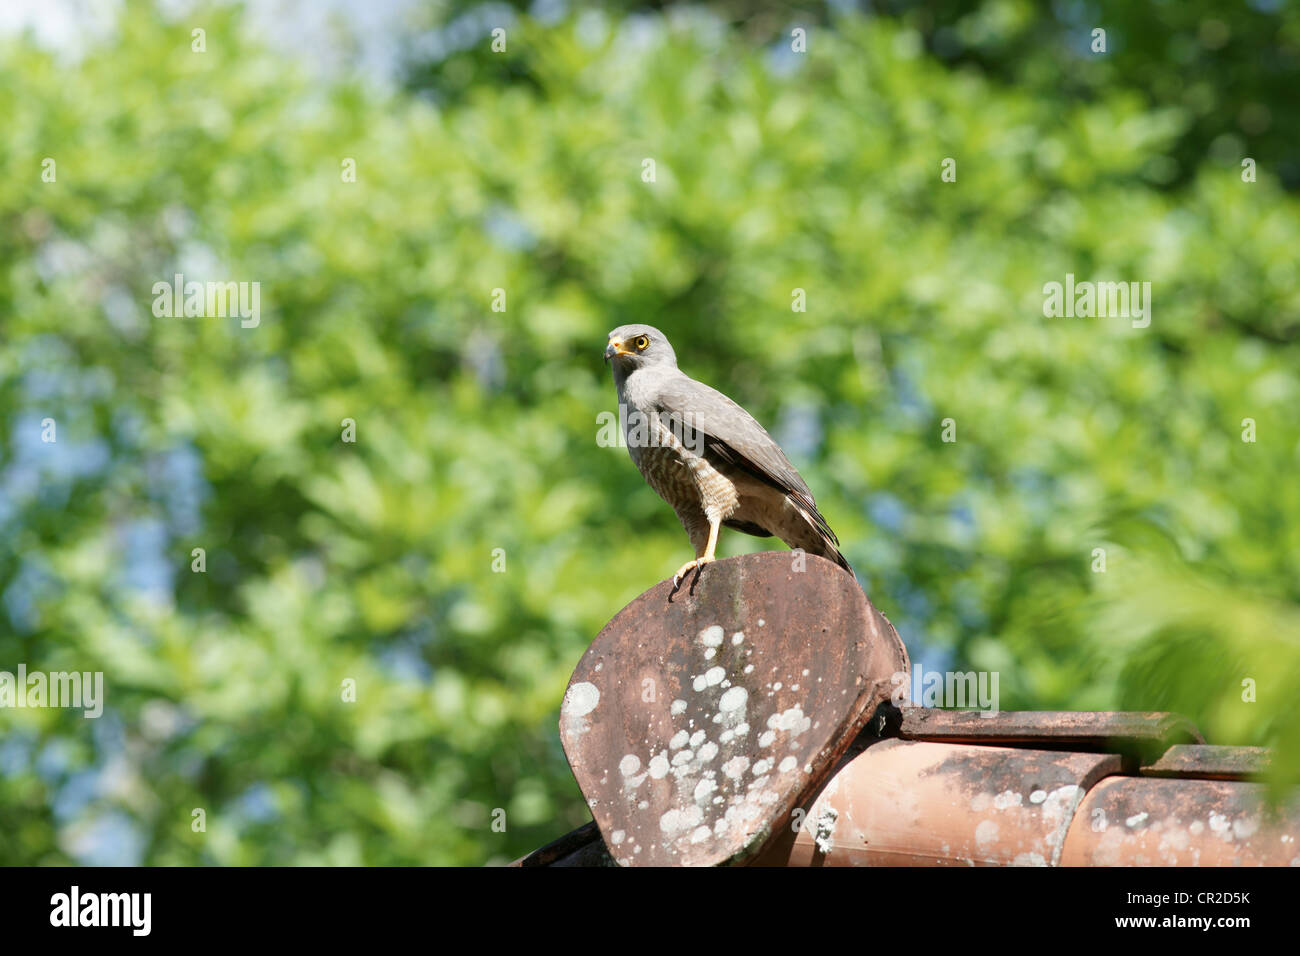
(731, 436)
(748, 527)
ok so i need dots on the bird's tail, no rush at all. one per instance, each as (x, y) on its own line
(834, 555)
(826, 545)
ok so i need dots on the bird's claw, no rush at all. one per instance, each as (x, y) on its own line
(694, 564)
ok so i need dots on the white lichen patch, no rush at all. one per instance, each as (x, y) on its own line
(738, 637)
(1058, 809)
(1060, 804)
(580, 699)
(659, 767)
(712, 636)
(629, 765)
(708, 752)
(1136, 820)
(733, 699)
(792, 721)
(678, 708)
(986, 834)
(1172, 842)
(1245, 827)
(714, 675)
(675, 821)
(679, 740)
(1007, 799)
(788, 764)
(617, 837)
(697, 738)
(735, 767)
(824, 832)
(1038, 796)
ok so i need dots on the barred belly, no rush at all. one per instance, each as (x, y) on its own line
(667, 473)
(686, 481)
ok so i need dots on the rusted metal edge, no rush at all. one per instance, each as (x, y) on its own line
(1136, 734)
(573, 843)
(1208, 762)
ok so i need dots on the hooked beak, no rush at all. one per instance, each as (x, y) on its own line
(616, 347)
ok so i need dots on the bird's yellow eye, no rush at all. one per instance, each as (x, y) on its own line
(642, 343)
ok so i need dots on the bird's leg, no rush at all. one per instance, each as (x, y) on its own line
(700, 559)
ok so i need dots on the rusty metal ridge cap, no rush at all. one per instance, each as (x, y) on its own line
(1097, 730)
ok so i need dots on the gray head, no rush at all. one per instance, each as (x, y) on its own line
(632, 347)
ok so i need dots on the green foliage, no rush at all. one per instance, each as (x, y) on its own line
(372, 561)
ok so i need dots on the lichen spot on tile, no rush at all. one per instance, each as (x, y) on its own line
(735, 767)
(733, 699)
(712, 636)
(580, 700)
(1006, 800)
(986, 833)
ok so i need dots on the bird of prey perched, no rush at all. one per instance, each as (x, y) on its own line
(706, 456)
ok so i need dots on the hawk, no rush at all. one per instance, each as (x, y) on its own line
(706, 456)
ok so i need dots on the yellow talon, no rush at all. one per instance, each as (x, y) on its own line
(690, 566)
(703, 559)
